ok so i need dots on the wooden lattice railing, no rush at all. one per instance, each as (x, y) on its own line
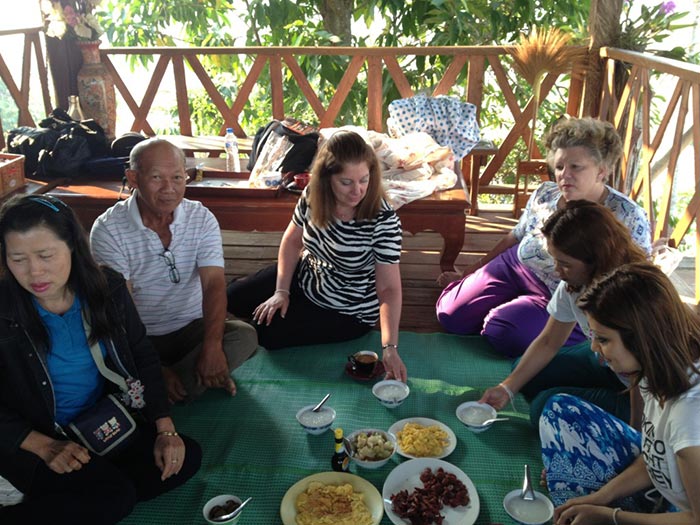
(32, 59)
(647, 120)
(629, 103)
(476, 64)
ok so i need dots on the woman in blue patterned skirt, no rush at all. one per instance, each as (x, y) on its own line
(599, 470)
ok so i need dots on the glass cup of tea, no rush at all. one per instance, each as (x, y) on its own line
(363, 362)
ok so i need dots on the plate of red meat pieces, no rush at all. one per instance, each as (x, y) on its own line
(428, 491)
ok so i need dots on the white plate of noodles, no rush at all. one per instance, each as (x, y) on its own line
(438, 442)
(370, 497)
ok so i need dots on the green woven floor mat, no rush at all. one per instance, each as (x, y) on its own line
(253, 445)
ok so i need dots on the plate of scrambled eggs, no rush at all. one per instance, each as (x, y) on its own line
(332, 498)
(422, 437)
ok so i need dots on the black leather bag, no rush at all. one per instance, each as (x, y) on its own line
(67, 156)
(30, 142)
(60, 146)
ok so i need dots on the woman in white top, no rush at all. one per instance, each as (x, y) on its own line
(597, 467)
(586, 241)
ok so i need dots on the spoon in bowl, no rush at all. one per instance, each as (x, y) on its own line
(318, 407)
(494, 419)
(528, 493)
(233, 514)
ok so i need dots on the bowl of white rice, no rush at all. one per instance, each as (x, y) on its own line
(391, 393)
(316, 422)
(473, 415)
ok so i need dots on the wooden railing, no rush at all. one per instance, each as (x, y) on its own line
(20, 95)
(476, 64)
(630, 104)
(647, 120)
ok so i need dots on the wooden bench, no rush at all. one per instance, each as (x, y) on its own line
(270, 211)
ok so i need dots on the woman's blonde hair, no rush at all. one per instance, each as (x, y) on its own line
(339, 150)
(599, 137)
(639, 301)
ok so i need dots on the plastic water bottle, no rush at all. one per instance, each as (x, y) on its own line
(233, 161)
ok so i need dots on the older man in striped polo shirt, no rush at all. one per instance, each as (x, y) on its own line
(170, 252)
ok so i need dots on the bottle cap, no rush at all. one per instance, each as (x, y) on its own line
(229, 130)
(338, 433)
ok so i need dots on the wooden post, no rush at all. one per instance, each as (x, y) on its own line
(604, 28)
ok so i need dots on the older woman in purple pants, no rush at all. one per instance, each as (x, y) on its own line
(505, 294)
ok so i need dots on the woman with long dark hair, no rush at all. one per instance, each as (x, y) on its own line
(69, 335)
(599, 470)
(585, 240)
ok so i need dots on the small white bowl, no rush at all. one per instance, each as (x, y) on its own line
(391, 393)
(221, 500)
(369, 463)
(316, 422)
(536, 512)
(473, 413)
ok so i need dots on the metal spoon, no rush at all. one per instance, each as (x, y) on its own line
(494, 419)
(233, 514)
(318, 407)
(528, 494)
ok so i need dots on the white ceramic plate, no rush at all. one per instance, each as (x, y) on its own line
(407, 476)
(372, 498)
(426, 422)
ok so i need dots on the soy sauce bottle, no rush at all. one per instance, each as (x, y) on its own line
(340, 460)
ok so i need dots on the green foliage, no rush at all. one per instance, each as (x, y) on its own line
(143, 23)
(285, 23)
(9, 112)
(652, 26)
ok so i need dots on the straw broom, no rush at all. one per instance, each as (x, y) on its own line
(541, 52)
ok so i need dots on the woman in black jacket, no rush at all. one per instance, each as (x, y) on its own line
(55, 304)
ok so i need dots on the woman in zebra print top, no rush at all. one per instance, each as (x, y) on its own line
(337, 272)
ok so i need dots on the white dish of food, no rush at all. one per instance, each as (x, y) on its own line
(451, 439)
(371, 496)
(407, 476)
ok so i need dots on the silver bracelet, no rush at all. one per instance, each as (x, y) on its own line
(614, 516)
(282, 290)
(511, 396)
(390, 345)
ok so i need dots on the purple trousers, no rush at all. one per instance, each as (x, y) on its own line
(503, 301)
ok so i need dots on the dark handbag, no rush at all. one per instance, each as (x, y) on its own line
(105, 428)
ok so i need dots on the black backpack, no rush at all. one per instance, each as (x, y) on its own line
(304, 144)
(60, 146)
(30, 142)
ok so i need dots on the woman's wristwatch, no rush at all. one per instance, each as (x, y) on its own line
(390, 345)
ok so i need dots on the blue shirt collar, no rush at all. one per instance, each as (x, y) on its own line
(44, 313)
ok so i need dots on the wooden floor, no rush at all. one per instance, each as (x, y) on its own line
(248, 252)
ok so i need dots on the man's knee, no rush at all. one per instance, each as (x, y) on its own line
(239, 343)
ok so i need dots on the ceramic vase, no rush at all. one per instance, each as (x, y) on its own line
(96, 89)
